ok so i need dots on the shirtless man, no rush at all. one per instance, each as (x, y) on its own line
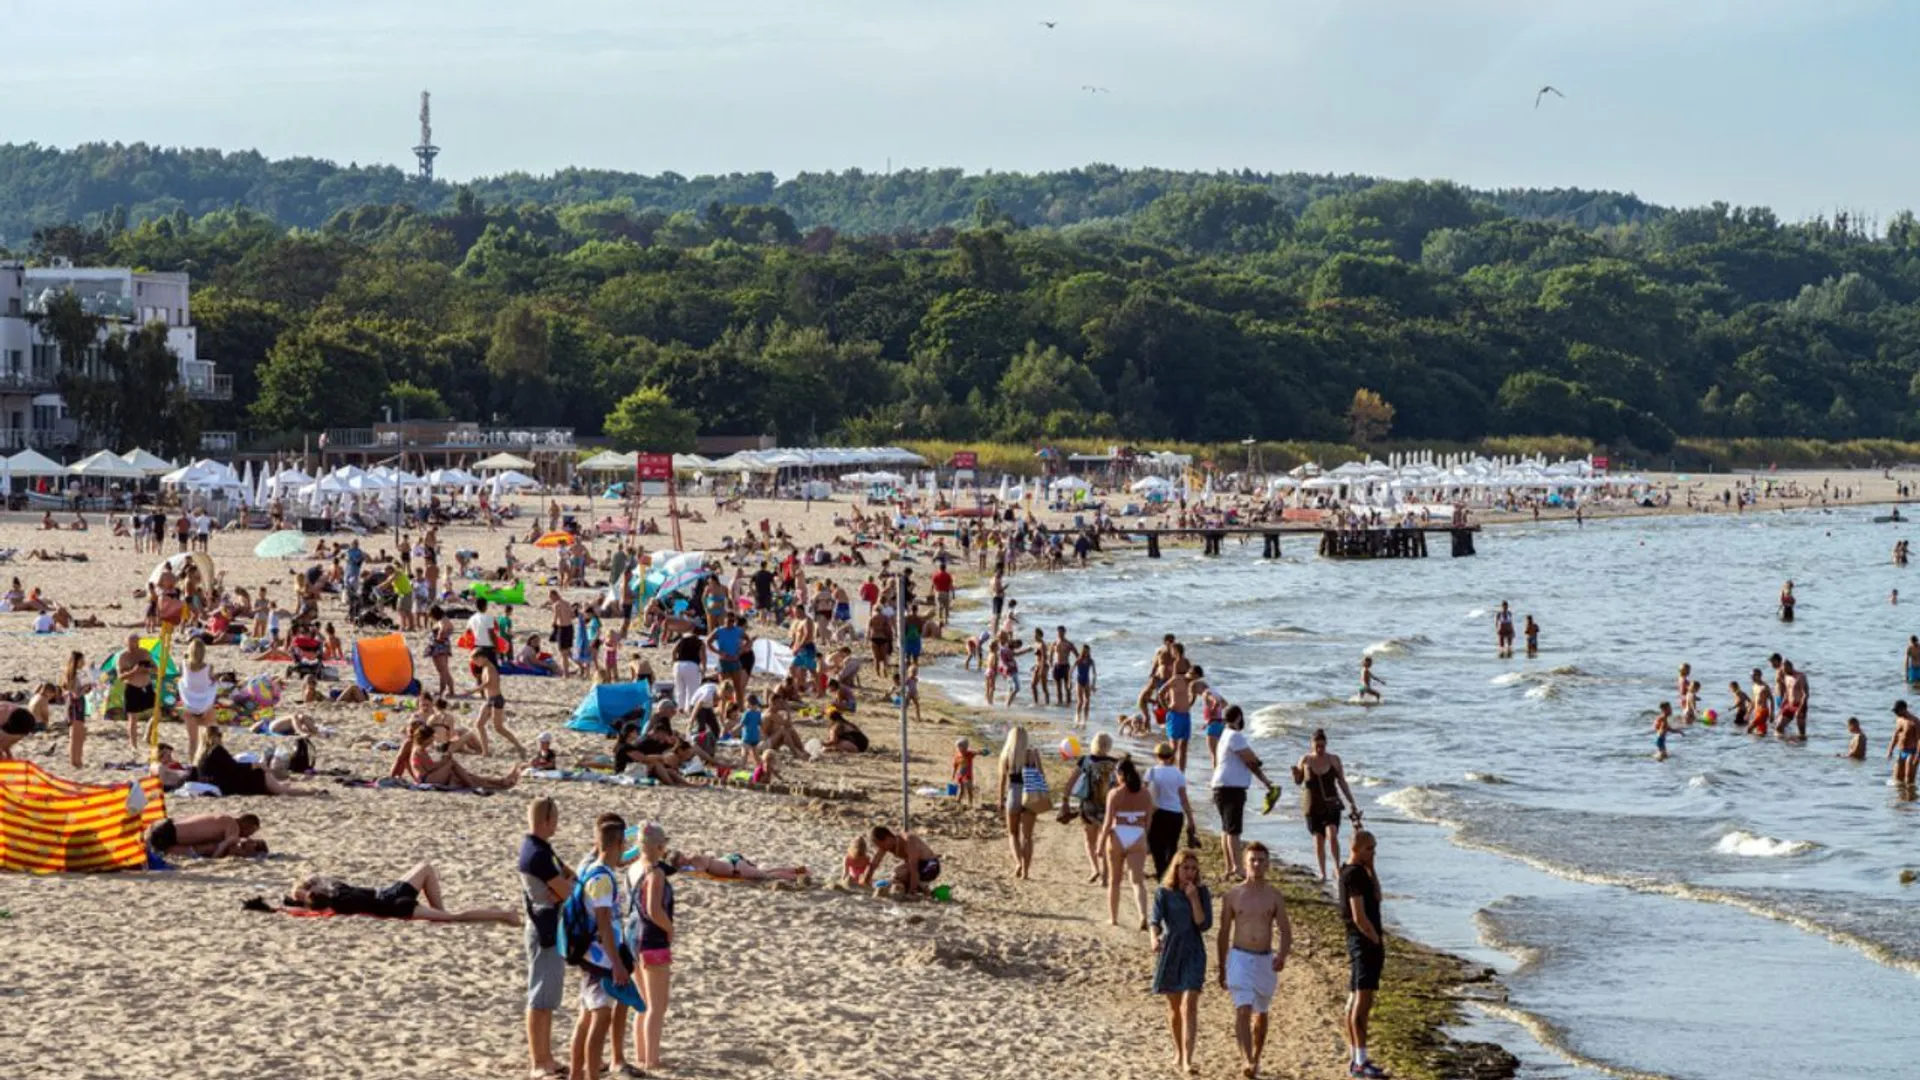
(1796, 700)
(1251, 913)
(806, 653)
(1156, 676)
(210, 836)
(1177, 696)
(1062, 652)
(1913, 659)
(562, 609)
(918, 865)
(1904, 748)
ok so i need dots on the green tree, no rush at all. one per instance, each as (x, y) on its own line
(132, 395)
(648, 420)
(320, 377)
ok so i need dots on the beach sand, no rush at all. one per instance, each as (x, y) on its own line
(146, 976)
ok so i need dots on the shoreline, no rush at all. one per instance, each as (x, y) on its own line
(1421, 1001)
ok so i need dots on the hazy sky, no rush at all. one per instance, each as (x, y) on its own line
(1804, 105)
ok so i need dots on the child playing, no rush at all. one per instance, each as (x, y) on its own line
(600, 884)
(1532, 631)
(1856, 740)
(854, 868)
(543, 757)
(334, 651)
(910, 690)
(1689, 702)
(963, 756)
(1662, 725)
(610, 660)
(1367, 679)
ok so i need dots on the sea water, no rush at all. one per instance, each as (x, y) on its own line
(1734, 910)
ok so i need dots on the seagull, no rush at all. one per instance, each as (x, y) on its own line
(1096, 89)
(1544, 91)
(1048, 25)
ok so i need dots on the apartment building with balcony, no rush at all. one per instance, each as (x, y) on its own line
(32, 413)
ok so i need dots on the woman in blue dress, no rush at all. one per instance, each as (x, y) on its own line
(1182, 914)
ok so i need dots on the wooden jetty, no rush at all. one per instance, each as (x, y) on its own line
(1383, 542)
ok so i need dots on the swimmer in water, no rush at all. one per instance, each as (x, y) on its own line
(1662, 725)
(1787, 602)
(1762, 705)
(1532, 630)
(1904, 748)
(1856, 741)
(1680, 685)
(1367, 679)
(1913, 658)
(1689, 701)
(1503, 629)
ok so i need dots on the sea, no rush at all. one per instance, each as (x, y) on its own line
(1737, 909)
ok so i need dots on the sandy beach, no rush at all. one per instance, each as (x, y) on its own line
(160, 975)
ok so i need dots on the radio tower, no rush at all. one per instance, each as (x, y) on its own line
(426, 151)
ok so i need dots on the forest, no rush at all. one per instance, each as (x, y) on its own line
(1221, 307)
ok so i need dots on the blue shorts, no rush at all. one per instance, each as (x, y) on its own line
(842, 613)
(1216, 728)
(1179, 725)
(1913, 674)
(807, 659)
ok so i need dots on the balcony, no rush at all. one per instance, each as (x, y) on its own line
(442, 435)
(208, 387)
(27, 382)
(219, 442)
(14, 440)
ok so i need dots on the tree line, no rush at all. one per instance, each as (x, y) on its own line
(1211, 313)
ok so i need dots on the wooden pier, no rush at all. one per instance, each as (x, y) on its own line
(1385, 542)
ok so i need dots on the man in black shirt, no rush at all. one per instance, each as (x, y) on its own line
(1366, 947)
(545, 883)
(763, 592)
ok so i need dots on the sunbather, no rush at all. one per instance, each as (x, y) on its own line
(416, 896)
(734, 866)
(424, 768)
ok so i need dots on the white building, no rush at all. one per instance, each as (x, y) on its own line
(32, 412)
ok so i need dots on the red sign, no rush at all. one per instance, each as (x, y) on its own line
(653, 467)
(965, 459)
(1600, 464)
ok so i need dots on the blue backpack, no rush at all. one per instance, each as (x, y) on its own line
(578, 929)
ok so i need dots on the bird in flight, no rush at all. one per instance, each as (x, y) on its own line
(1047, 24)
(1096, 90)
(1544, 91)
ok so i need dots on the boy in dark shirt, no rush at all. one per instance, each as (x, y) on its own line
(1366, 947)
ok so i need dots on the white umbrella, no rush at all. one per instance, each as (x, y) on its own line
(105, 466)
(503, 461)
(514, 481)
(246, 485)
(6, 477)
(151, 464)
(608, 461)
(34, 463)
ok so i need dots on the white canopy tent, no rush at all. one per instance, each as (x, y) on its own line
(32, 462)
(501, 462)
(608, 461)
(151, 464)
(512, 480)
(105, 465)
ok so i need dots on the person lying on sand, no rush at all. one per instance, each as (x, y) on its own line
(217, 766)
(734, 866)
(209, 836)
(416, 896)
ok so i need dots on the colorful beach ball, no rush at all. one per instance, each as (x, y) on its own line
(1712, 717)
(1069, 748)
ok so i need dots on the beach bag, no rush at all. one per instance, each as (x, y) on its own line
(1034, 798)
(577, 926)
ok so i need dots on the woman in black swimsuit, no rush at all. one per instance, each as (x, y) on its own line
(1322, 778)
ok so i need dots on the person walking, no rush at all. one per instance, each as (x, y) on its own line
(545, 883)
(1022, 793)
(1321, 778)
(1171, 810)
(1182, 914)
(1235, 773)
(1366, 948)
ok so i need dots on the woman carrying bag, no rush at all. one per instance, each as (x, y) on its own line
(1023, 795)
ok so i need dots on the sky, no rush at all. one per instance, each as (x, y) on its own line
(1802, 105)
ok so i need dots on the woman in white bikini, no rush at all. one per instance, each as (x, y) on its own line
(1124, 840)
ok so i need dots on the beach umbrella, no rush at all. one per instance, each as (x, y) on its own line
(246, 485)
(503, 461)
(6, 477)
(178, 564)
(281, 545)
(105, 466)
(34, 463)
(150, 464)
(554, 540)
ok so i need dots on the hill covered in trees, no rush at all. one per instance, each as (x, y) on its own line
(102, 182)
(1211, 313)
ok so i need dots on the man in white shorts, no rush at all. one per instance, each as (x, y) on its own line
(1251, 914)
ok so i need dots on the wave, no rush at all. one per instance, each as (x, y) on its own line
(1515, 678)
(1396, 646)
(1550, 1036)
(1545, 691)
(1568, 671)
(1746, 844)
(1279, 633)
(1477, 613)
(1417, 803)
(1485, 778)
(1704, 780)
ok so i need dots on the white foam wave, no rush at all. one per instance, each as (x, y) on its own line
(1389, 647)
(1748, 845)
(1511, 678)
(1484, 778)
(1701, 781)
(1546, 691)
(1477, 613)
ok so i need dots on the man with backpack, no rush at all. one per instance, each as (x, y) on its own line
(590, 932)
(546, 883)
